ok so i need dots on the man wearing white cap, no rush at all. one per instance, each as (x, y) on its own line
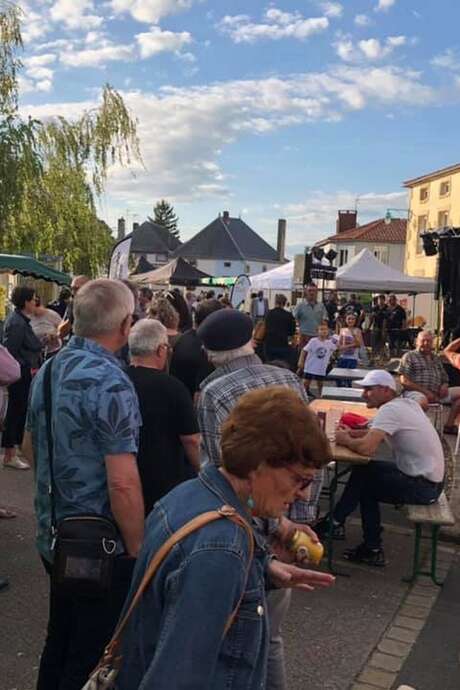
(415, 476)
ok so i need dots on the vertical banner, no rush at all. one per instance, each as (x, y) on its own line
(119, 261)
(239, 291)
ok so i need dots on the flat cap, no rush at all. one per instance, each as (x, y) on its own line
(226, 329)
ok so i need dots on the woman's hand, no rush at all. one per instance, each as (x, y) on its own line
(286, 575)
(280, 543)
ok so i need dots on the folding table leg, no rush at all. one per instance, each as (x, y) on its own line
(416, 557)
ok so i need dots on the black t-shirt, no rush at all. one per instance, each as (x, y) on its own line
(332, 309)
(280, 325)
(167, 413)
(396, 317)
(189, 362)
(380, 315)
(351, 308)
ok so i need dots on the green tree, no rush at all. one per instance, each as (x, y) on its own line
(51, 173)
(165, 216)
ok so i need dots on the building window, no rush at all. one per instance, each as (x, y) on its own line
(343, 257)
(382, 254)
(444, 188)
(248, 268)
(443, 219)
(264, 268)
(227, 264)
(422, 226)
(424, 194)
(192, 262)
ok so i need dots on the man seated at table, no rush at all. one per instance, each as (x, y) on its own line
(424, 379)
(414, 476)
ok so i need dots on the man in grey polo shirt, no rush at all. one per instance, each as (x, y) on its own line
(309, 314)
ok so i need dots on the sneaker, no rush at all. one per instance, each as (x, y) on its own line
(363, 554)
(16, 464)
(322, 528)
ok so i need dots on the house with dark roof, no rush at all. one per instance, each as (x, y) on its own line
(151, 244)
(384, 237)
(229, 247)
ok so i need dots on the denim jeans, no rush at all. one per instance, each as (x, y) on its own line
(278, 601)
(346, 363)
(78, 630)
(381, 482)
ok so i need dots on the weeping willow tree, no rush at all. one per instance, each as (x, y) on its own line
(52, 172)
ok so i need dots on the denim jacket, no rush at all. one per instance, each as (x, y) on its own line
(175, 637)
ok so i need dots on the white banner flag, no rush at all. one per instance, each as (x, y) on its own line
(119, 261)
(240, 290)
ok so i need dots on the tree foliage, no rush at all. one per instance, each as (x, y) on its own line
(51, 172)
(164, 215)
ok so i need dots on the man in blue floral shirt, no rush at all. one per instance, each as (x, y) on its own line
(95, 424)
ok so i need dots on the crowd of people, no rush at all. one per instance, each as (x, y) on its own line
(165, 417)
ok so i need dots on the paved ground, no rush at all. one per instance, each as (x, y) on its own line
(329, 634)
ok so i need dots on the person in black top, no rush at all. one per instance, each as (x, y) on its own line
(189, 362)
(60, 305)
(280, 325)
(332, 307)
(169, 443)
(21, 342)
(396, 325)
(353, 307)
(379, 315)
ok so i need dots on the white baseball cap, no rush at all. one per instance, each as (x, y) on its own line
(377, 377)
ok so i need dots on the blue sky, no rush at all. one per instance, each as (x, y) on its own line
(265, 109)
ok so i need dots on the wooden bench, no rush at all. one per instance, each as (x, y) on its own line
(433, 516)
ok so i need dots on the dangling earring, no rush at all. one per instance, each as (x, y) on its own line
(250, 503)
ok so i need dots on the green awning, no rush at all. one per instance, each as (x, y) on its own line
(27, 266)
(223, 281)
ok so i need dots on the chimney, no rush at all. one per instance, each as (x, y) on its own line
(135, 226)
(281, 239)
(226, 216)
(121, 226)
(346, 220)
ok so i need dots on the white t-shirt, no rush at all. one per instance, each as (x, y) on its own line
(347, 336)
(318, 355)
(415, 443)
(260, 307)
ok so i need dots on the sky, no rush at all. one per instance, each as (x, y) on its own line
(290, 109)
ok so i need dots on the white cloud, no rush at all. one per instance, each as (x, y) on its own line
(371, 49)
(384, 5)
(332, 9)
(362, 20)
(157, 41)
(277, 25)
(27, 85)
(74, 14)
(449, 59)
(96, 57)
(184, 130)
(39, 60)
(34, 24)
(150, 11)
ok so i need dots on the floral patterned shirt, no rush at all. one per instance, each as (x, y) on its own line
(95, 413)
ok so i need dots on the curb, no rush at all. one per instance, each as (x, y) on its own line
(383, 665)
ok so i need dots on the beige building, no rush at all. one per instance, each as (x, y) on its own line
(434, 203)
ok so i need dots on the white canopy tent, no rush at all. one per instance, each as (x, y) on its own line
(366, 273)
(279, 278)
(362, 273)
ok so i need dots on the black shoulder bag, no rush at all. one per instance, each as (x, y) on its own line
(84, 546)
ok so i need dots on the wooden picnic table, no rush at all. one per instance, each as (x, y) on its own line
(340, 453)
(343, 459)
(342, 394)
(353, 374)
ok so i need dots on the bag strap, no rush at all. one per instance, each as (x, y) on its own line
(48, 399)
(226, 511)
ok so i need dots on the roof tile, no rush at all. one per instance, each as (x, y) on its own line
(375, 231)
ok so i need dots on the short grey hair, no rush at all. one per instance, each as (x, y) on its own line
(424, 334)
(225, 356)
(146, 336)
(101, 306)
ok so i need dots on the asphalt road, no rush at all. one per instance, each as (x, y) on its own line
(328, 634)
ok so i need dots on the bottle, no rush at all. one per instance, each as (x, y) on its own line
(305, 548)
